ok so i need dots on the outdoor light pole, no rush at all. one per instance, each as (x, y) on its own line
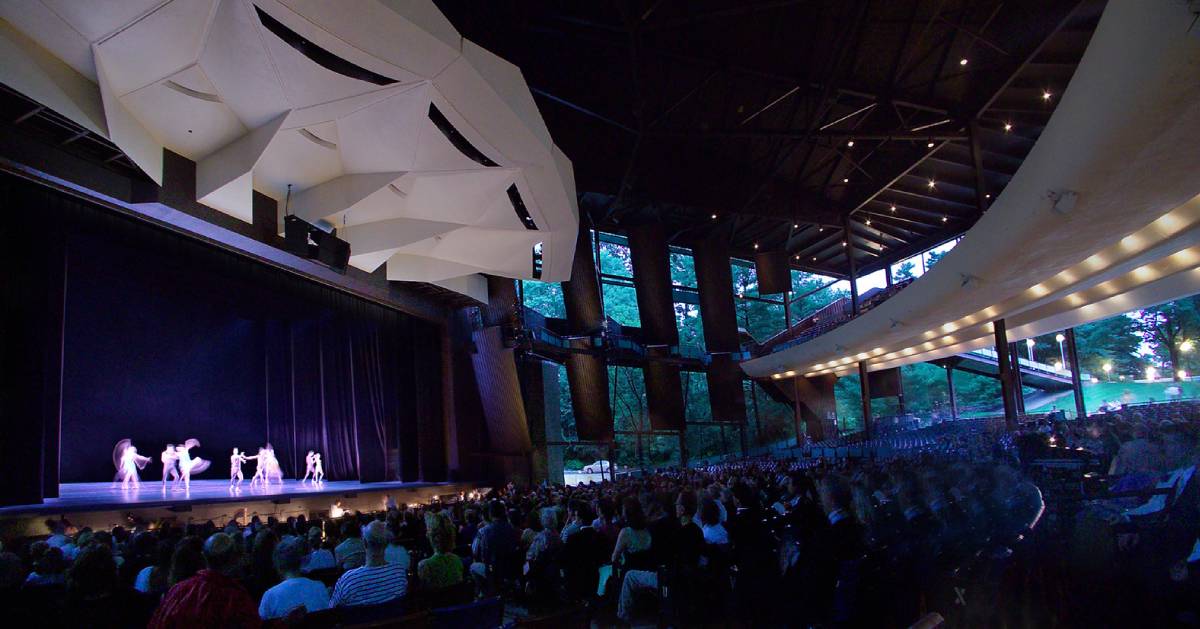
(1029, 346)
(1061, 352)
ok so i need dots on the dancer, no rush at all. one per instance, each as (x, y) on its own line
(260, 470)
(273, 469)
(308, 466)
(170, 460)
(235, 466)
(128, 462)
(188, 465)
(318, 469)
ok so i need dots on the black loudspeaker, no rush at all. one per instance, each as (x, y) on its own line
(295, 235)
(774, 275)
(334, 252)
(884, 383)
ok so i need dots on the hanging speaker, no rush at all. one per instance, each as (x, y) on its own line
(774, 276)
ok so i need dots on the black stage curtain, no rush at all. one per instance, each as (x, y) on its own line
(159, 337)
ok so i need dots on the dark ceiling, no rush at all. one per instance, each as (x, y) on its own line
(682, 110)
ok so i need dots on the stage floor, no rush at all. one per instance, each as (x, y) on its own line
(80, 497)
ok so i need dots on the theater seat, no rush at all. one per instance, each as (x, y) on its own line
(487, 613)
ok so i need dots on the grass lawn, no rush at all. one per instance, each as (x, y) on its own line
(1125, 392)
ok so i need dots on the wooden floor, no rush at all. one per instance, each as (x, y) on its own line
(78, 497)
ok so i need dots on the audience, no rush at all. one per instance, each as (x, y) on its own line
(844, 542)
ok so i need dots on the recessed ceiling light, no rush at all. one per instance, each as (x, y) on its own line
(756, 244)
(845, 180)
(868, 221)
(1007, 127)
(943, 220)
(843, 243)
(714, 216)
(795, 225)
(893, 209)
(932, 183)
(820, 229)
(1046, 95)
(797, 257)
(850, 143)
(962, 62)
(987, 196)
(930, 145)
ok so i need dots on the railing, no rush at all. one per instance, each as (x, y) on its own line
(830, 317)
(1032, 365)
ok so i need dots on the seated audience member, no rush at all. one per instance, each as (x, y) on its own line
(211, 598)
(578, 517)
(95, 596)
(319, 558)
(497, 546)
(634, 541)
(350, 553)
(154, 578)
(443, 568)
(376, 581)
(396, 553)
(295, 591)
(684, 556)
(542, 558)
(48, 565)
(186, 560)
(710, 522)
(58, 533)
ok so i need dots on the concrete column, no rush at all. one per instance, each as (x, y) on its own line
(865, 388)
(1076, 377)
(815, 402)
(587, 373)
(715, 282)
(656, 308)
(539, 388)
(950, 390)
(1005, 373)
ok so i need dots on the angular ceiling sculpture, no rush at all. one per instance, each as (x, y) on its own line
(423, 149)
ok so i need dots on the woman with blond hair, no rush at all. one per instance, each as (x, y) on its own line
(443, 568)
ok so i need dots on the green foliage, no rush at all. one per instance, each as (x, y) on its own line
(1166, 326)
(544, 297)
(1115, 341)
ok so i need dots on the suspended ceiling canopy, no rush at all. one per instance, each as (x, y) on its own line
(424, 150)
(1102, 217)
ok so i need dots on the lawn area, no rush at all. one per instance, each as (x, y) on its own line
(1125, 392)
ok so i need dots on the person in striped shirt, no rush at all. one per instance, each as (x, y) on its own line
(375, 582)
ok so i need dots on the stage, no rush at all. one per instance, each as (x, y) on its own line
(107, 504)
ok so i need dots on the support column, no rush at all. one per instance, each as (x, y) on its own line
(714, 280)
(1076, 378)
(1018, 384)
(656, 307)
(865, 387)
(887, 275)
(950, 390)
(846, 233)
(587, 373)
(539, 388)
(815, 402)
(900, 389)
(1005, 373)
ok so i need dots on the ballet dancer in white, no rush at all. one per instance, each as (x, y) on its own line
(308, 466)
(170, 460)
(235, 466)
(273, 469)
(188, 465)
(128, 462)
(318, 469)
(260, 470)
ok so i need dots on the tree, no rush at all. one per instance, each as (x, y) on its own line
(903, 271)
(1166, 326)
(1114, 341)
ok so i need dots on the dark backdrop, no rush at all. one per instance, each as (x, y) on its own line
(116, 328)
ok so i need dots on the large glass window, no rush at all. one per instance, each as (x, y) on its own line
(544, 297)
(695, 396)
(761, 317)
(770, 421)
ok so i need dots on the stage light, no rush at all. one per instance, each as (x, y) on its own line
(843, 243)
(1095, 380)
(814, 258)
(820, 229)
(1060, 338)
(987, 196)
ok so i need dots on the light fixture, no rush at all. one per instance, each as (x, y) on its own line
(1182, 374)
(987, 196)
(1057, 366)
(820, 229)
(1107, 367)
(962, 62)
(943, 219)
(929, 145)
(1029, 343)
(1187, 346)
(797, 257)
(714, 217)
(843, 243)
(795, 225)
(756, 245)
(814, 258)
(1150, 373)
(850, 143)
(868, 221)
(845, 180)
(1060, 338)
(1007, 127)
(893, 209)
(932, 183)
(1046, 95)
